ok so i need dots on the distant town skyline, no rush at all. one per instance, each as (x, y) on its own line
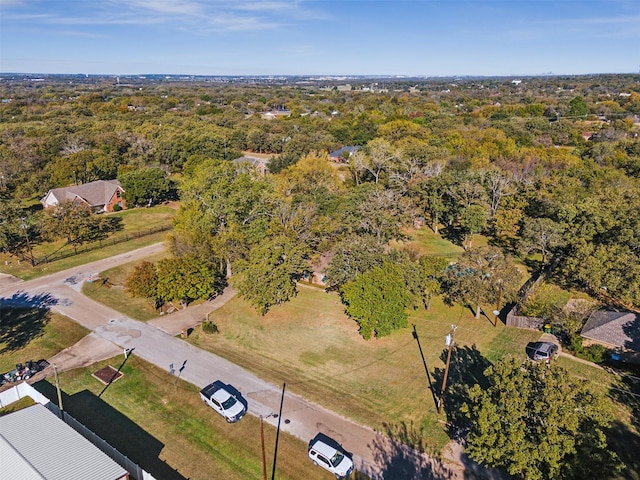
(333, 38)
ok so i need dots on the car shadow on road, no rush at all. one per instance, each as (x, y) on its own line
(116, 429)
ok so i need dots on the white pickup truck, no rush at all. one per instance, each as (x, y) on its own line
(220, 397)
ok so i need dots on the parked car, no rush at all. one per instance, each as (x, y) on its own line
(329, 454)
(225, 400)
(542, 351)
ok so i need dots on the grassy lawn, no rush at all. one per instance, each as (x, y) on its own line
(310, 344)
(315, 348)
(32, 334)
(425, 242)
(134, 221)
(110, 290)
(169, 432)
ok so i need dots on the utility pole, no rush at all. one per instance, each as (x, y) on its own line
(449, 342)
(55, 374)
(26, 235)
(264, 459)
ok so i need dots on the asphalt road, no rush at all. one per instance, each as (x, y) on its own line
(156, 343)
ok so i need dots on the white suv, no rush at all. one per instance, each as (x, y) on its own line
(330, 455)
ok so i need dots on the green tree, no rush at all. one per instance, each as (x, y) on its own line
(143, 282)
(377, 300)
(72, 221)
(482, 275)
(351, 257)
(431, 270)
(537, 422)
(578, 107)
(268, 277)
(185, 279)
(542, 235)
(473, 219)
(15, 227)
(220, 208)
(145, 186)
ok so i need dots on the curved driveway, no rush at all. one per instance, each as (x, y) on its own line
(374, 454)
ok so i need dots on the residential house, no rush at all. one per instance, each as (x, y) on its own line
(615, 329)
(101, 195)
(341, 154)
(36, 445)
(260, 164)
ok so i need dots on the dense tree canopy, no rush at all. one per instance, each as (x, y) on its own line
(482, 276)
(268, 277)
(378, 300)
(145, 186)
(537, 422)
(513, 162)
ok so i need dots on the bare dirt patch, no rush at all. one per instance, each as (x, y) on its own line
(107, 375)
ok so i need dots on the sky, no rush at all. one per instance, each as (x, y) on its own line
(329, 37)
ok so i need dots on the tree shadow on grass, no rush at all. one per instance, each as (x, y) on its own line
(395, 459)
(116, 429)
(622, 438)
(23, 318)
(466, 369)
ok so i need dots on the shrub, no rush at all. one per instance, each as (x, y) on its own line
(592, 353)
(209, 327)
(545, 301)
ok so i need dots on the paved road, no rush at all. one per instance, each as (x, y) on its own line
(156, 343)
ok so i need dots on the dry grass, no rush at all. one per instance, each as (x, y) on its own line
(315, 348)
(58, 333)
(168, 431)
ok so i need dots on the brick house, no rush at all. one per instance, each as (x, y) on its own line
(100, 196)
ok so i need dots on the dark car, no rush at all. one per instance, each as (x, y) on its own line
(542, 351)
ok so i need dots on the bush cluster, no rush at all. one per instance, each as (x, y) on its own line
(209, 327)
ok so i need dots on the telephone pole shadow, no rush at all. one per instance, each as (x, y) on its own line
(426, 369)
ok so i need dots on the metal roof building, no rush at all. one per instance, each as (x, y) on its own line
(36, 445)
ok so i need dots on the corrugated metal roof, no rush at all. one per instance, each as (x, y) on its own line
(15, 464)
(52, 448)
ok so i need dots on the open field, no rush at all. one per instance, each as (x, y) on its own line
(134, 221)
(310, 344)
(169, 432)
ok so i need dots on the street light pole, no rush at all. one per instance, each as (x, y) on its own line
(496, 312)
(449, 343)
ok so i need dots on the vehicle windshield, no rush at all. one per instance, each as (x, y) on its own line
(336, 459)
(228, 403)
